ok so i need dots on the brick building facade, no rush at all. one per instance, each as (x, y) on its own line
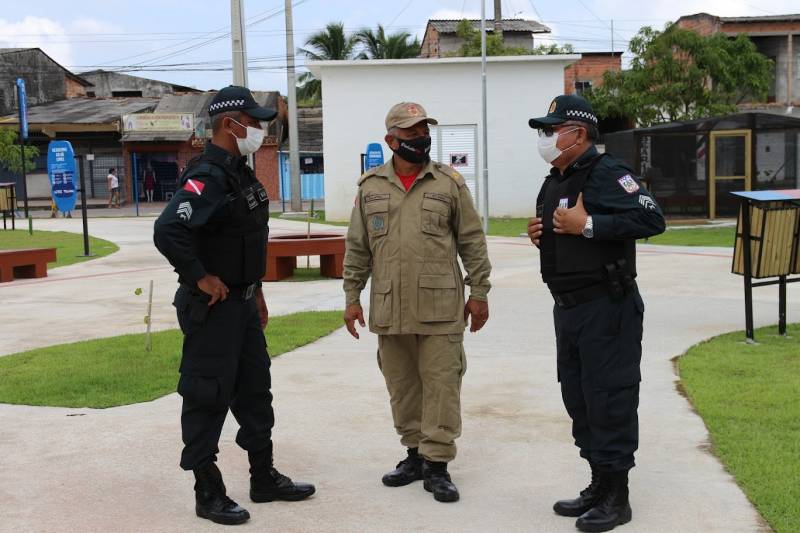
(775, 36)
(588, 71)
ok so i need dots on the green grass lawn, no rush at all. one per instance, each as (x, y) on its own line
(749, 398)
(319, 218)
(700, 236)
(69, 246)
(118, 371)
(305, 274)
(508, 227)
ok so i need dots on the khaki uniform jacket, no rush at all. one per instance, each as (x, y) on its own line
(410, 242)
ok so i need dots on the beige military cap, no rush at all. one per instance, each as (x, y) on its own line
(406, 114)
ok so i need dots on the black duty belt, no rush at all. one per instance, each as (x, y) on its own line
(587, 294)
(245, 292)
(580, 296)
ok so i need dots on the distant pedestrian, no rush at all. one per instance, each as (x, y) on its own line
(149, 183)
(113, 188)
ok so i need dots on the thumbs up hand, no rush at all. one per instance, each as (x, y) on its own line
(570, 221)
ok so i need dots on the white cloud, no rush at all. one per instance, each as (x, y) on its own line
(32, 32)
(86, 26)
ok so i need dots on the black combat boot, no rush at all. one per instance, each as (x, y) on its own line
(267, 484)
(437, 481)
(588, 498)
(613, 508)
(408, 470)
(211, 501)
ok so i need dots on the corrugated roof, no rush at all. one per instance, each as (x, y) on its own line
(450, 25)
(763, 18)
(309, 130)
(69, 73)
(197, 103)
(108, 73)
(85, 110)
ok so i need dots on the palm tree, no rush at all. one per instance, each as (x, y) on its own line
(378, 46)
(329, 44)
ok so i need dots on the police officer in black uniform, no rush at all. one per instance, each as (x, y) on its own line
(214, 232)
(590, 211)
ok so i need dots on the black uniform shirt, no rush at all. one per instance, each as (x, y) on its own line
(620, 206)
(194, 206)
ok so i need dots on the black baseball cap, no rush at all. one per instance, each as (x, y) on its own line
(563, 108)
(235, 98)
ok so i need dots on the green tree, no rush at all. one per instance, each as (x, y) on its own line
(677, 74)
(495, 47)
(377, 45)
(10, 156)
(332, 43)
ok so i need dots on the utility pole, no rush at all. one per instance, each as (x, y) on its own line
(482, 183)
(238, 45)
(498, 19)
(291, 90)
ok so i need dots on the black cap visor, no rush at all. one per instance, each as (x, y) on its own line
(260, 113)
(543, 122)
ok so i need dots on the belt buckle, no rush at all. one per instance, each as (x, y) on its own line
(248, 293)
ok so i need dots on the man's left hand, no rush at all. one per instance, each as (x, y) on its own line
(479, 313)
(263, 312)
(570, 221)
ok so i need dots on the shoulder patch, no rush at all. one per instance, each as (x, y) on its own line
(451, 173)
(628, 183)
(374, 171)
(194, 186)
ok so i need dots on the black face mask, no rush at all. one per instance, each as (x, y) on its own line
(414, 150)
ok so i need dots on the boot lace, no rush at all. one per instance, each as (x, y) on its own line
(278, 477)
(594, 485)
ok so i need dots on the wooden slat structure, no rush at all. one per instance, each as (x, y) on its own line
(766, 246)
(773, 241)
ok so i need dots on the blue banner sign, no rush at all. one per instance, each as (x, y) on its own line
(62, 171)
(374, 156)
(23, 108)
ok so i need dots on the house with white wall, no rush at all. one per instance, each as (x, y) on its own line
(356, 95)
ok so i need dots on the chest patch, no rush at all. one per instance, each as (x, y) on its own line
(628, 183)
(563, 203)
(378, 222)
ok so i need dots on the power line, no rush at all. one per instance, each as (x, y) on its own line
(401, 12)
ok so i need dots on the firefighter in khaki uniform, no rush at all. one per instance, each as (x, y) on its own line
(412, 219)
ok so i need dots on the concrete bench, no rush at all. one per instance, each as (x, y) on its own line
(27, 263)
(283, 251)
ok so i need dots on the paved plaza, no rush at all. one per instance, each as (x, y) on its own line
(116, 469)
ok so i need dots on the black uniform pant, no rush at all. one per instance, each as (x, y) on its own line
(225, 366)
(599, 353)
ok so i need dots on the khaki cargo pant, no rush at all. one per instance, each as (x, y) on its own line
(423, 374)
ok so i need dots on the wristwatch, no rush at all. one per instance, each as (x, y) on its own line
(588, 229)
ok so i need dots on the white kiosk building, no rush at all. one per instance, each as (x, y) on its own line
(356, 95)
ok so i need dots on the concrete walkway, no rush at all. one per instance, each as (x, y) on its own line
(116, 469)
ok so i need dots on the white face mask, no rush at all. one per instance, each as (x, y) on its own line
(252, 142)
(547, 146)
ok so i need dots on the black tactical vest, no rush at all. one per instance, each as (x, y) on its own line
(570, 254)
(233, 245)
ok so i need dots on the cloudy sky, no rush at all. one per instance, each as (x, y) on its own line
(172, 37)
